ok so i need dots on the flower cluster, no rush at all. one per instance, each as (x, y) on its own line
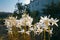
(26, 20)
(44, 24)
(11, 21)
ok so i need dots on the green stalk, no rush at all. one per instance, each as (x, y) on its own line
(15, 33)
(41, 35)
(44, 35)
(24, 32)
(49, 33)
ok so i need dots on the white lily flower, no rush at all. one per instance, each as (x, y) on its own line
(54, 21)
(42, 25)
(22, 31)
(28, 24)
(7, 23)
(45, 20)
(28, 32)
(11, 21)
(31, 29)
(18, 23)
(26, 20)
(38, 30)
(51, 31)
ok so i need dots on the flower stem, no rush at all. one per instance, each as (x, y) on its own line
(49, 33)
(24, 32)
(44, 35)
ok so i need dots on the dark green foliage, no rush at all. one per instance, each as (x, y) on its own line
(27, 9)
(4, 14)
(35, 16)
(53, 10)
(18, 11)
(19, 7)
